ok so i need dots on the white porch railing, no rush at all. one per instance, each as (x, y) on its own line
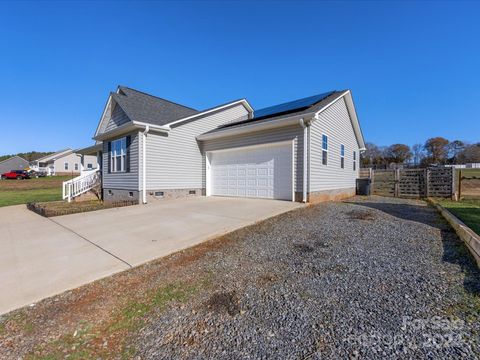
(81, 184)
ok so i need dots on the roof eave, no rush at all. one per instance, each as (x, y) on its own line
(254, 127)
(129, 127)
(244, 102)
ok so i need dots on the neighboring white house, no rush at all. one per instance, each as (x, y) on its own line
(305, 150)
(13, 163)
(64, 162)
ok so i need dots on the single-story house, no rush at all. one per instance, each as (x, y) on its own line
(152, 149)
(64, 162)
(13, 163)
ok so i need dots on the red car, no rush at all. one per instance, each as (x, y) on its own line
(16, 174)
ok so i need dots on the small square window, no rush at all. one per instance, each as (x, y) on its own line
(130, 194)
(110, 192)
(159, 193)
(89, 166)
(192, 192)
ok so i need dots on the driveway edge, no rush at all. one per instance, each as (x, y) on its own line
(469, 237)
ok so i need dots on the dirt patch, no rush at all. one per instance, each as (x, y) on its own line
(304, 248)
(267, 278)
(361, 215)
(224, 302)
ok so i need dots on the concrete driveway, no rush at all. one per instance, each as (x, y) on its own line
(41, 257)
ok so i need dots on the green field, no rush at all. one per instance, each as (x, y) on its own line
(14, 192)
(466, 210)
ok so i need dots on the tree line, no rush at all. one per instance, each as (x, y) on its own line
(29, 156)
(435, 151)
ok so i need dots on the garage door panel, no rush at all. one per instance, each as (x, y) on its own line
(264, 172)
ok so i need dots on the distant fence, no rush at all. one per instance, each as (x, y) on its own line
(412, 183)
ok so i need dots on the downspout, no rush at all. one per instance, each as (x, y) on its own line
(305, 125)
(144, 163)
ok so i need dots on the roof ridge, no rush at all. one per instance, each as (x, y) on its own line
(157, 97)
(55, 153)
(331, 92)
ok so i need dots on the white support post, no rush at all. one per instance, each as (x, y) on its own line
(144, 164)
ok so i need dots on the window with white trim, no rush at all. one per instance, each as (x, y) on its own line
(354, 160)
(76, 166)
(65, 166)
(89, 166)
(324, 149)
(118, 155)
(342, 156)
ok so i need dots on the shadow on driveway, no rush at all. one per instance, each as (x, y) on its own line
(454, 250)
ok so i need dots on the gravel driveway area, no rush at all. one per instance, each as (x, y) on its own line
(371, 278)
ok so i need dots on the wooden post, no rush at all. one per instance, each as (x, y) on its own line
(460, 185)
(427, 181)
(397, 183)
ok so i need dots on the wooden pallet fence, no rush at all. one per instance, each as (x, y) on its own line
(412, 183)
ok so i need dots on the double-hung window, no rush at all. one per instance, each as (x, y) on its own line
(342, 156)
(65, 165)
(118, 155)
(354, 160)
(324, 149)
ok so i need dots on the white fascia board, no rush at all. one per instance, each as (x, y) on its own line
(128, 127)
(356, 123)
(103, 114)
(244, 102)
(293, 120)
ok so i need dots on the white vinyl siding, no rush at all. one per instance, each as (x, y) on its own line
(336, 124)
(294, 133)
(175, 160)
(122, 180)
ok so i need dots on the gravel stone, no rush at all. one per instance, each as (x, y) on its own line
(370, 278)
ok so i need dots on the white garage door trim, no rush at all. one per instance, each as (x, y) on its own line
(208, 158)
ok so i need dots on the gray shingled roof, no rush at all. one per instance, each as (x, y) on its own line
(311, 109)
(150, 109)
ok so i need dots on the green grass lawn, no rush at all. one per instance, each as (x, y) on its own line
(466, 210)
(22, 197)
(14, 192)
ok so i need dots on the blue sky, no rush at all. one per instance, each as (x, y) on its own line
(413, 68)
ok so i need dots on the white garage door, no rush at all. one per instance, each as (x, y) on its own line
(260, 172)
